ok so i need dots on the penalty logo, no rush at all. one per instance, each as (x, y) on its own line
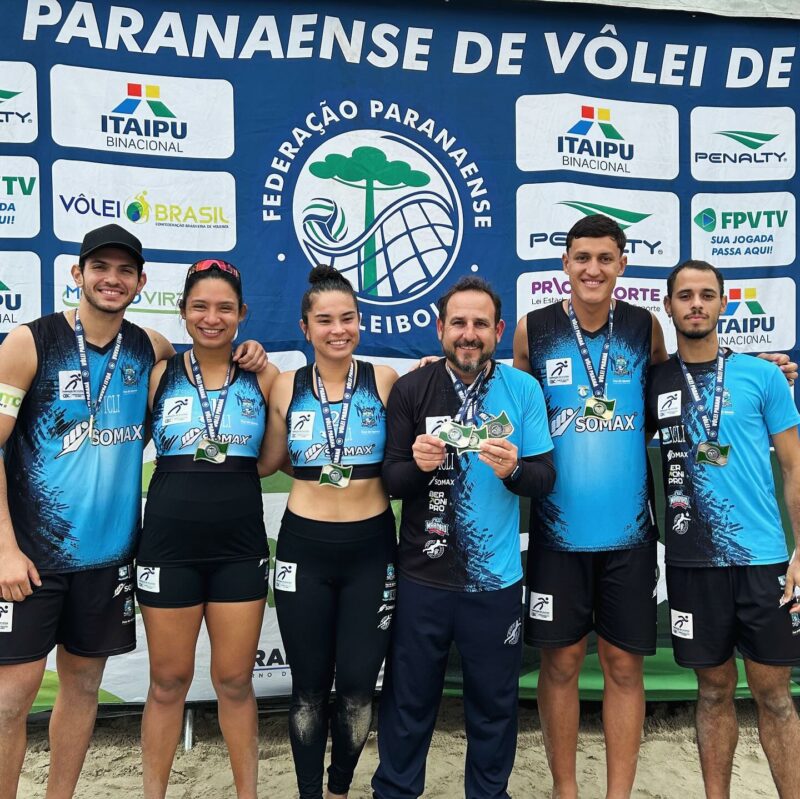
(383, 211)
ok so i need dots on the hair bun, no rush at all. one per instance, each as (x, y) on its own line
(325, 272)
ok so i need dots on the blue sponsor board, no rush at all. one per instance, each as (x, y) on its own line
(395, 146)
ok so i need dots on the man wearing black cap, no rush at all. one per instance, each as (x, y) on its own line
(73, 398)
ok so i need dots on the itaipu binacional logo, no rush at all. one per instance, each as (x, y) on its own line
(383, 211)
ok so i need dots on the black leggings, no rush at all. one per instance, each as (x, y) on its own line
(334, 613)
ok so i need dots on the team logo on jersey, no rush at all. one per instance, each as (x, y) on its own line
(583, 392)
(436, 526)
(669, 404)
(285, 576)
(148, 578)
(680, 524)
(130, 377)
(513, 633)
(540, 606)
(621, 368)
(559, 371)
(177, 410)
(434, 548)
(301, 425)
(434, 423)
(247, 406)
(368, 417)
(682, 624)
(6, 617)
(70, 386)
(679, 500)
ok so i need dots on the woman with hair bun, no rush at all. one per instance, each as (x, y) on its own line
(334, 570)
(203, 552)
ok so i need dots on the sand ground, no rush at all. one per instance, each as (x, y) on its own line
(668, 766)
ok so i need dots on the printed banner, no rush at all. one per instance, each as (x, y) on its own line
(408, 149)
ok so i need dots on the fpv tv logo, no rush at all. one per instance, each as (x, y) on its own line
(150, 94)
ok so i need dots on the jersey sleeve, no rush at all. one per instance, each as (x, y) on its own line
(780, 411)
(401, 475)
(535, 428)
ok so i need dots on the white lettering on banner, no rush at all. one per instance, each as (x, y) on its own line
(383, 45)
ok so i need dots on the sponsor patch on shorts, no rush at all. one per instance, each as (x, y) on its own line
(6, 617)
(148, 578)
(285, 576)
(682, 624)
(540, 606)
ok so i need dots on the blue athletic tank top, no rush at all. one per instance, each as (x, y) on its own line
(178, 424)
(365, 439)
(602, 496)
(75, 504)
(198, 511)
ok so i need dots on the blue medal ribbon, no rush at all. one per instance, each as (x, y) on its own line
(596, 380)
(212, 421)
(80, 340)
(467, 395)
(710, 425)
(336, 439)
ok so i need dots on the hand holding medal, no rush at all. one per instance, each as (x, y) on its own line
(500, 455)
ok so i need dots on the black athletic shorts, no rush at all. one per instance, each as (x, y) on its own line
(91, 613)
(572, 593)
(714, 609)
(185, 585)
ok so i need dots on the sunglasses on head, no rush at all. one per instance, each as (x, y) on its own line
(214, 263)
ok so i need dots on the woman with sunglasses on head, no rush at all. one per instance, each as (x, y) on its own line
(203, 552)
(334, 570)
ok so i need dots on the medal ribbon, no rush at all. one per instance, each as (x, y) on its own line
(336, 440)
(468, 396)
(711, 426)
(597, 380)
(80, 339)
(212, 422)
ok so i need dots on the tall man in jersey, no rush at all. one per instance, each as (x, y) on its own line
(465, 437)
(729, 580)
(73, 396)
(592, 561)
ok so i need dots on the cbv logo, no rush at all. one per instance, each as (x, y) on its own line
(710, 220)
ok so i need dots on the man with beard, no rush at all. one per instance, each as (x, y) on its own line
(729, 582)
(465, 437)
(73, 396)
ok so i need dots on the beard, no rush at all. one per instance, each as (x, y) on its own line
(469, 367)
(696, 333)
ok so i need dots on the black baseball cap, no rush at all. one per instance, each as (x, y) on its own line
(112, 236)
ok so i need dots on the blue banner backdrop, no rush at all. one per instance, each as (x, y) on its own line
(407, 146)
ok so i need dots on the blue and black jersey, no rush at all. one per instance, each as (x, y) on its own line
(461, 531)
(198, 511)
(365, 437)
(179, 426)
(75, 503)
(721, 515)
(603, 493)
